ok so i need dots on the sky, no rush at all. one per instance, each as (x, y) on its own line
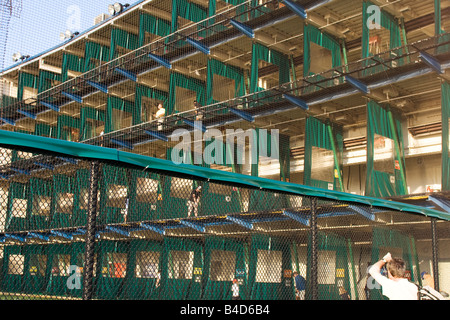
(41, 22)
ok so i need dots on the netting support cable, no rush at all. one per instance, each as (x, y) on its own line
(314, 251)
(434, 248)
(88, 275)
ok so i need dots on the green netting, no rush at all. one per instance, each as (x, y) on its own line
(35, 267)
(145, 196)
(384, 122)
(89, 129)
(143, 265)
(73, 63)
(17, 209)
(95, 54)
(182, 81)
(142, 113)
(39, 203)
(68, 128)
(326, 136)
(124, 39)
(224, 70)
(26, 80)
(125, 107)
(445, 102)
(64, 190)
(187, 10)
(281, 60)
(390, 23)
(48, 80)
(153, 25)
(12, 277)
(333, 266)
(182, 269)
(386, 240)
(225, 260)
(275, 251)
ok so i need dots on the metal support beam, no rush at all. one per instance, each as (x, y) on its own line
(153, 228)
(193, 225)
(130, 75)
(198, 45)
(296, 101)
(242, 114)
(8, 121)
(431, 62)
(246, 30)
(72, 97)
(44, 165)
(38, 236)
(121, 143)
(294, 7)
(365, 213)
(160, 60)
(357, 84)
(98, 86)
(61, 234)
(195, 124)
(50, 106)
(118, 231)
(240, 222)
(157, 135)
(27, 114)
(441, 203)
(297, 217)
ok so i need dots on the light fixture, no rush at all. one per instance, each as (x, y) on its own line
(18, 56)
(67, 35)
(116, 8)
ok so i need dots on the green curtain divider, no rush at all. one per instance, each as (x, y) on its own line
(56, 269)
(41, 191)
(144, 91)
(79, 217)
(121, 105)
(64, 190)
(87, 131)
(113, 181)
(26, 80)
(221, 289)
(47, 80)
(281, 60)
(19, 191)
(113, 270)
(45, 130)
(11, 281)
(385, 239)
(327, 136)
(71, 123)
(383, 121)
(73, 63)
(153, 25)
(142, 287)
(188, 287)
(330, 246)
(34, 278)
(272, 289)
(187, 10)
(388, 22)
(285, 158)
(224, 70)
(445, 105)
(124, 39)
(97, 52)
(180, 80)
(144, 206)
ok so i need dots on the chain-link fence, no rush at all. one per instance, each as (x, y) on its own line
(73, 228)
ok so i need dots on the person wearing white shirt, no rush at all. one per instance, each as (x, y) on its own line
(394, 286)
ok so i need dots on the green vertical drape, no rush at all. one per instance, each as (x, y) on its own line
(64, 122)
(86, 129)
(11, 282)
(48, 80)
(17, 191)
(122, 105)
(45, 130)
(224, 70)
(39, 188)
(73, 63)
(122, 39)
(187, 10)
(26, 80)
(97, 52)
(147, 207)
(384, 121)
(445, 105)
(153, 25)
(325, 135)
(281, 60)
(180, 80)
(62, 185)
(155, 94)
(34, 278)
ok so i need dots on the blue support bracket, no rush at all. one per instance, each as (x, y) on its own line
(160, 60)
(157, 135)
(198, 45)
(44, 165)
(15, 237)
(297, 9)
(153, 228)
(243, 28)
(79, 232)
(121, 143)
(431, 62)
(130, 75)
(38, 236)
(298, 102)
(357, 84)
(441, 203)
(50, 106)
(297, 217)
(195, 124)
(27, 114)
(193, 225)
(242, 114)
(70, 160)
(21, 171)
(118, 231)
(241, 222)
(8, 121)
(364, 212)
(3, 177)
(72, 97)
(62, 234)
(98, 86)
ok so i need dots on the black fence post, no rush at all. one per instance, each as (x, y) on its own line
(434, 249)
(314, 251)
(88, 273)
